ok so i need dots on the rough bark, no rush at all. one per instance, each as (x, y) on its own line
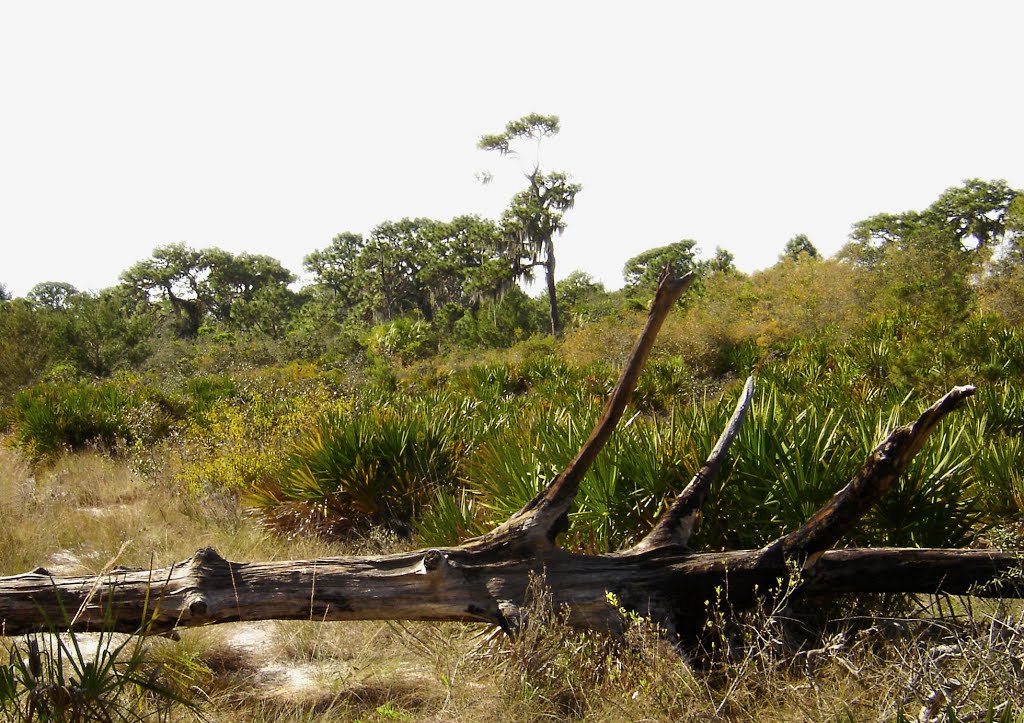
(667, 584)
(487, 579)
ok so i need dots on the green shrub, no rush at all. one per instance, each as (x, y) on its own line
(403, 339)
(451, 517)
(205, 392)
(375, 467)
(240, 427)
(53, 417)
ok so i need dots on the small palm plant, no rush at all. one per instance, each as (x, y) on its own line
(372, 467)
(52, 677)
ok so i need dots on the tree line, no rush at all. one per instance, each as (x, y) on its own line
(412, 286)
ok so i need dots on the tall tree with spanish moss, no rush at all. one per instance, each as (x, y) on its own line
(536, 214)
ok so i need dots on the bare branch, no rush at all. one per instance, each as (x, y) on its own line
(888, 461)
(546, 515)
(675, 525)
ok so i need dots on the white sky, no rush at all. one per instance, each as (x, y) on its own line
(270, 127)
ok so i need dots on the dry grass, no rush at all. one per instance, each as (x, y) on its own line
(75, 514)
(961, 658)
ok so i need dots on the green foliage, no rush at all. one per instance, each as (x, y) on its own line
(451, 517)
(26, 346)
(52, 417)
(101, 333)
(970, 218)
(209, 283)
(528, 228)
(53, 295)
(54, 677)
(723, 262)
(975, 214)
(929, 259)
(799, 247)
(240, 427)
(533, 127)
(336, 269)
(374, 467)
(205, 392)
(417, 266)
(582, 299)
(843, 349)
(501, 322)
(644, 270)
(536, 214)
(934, 503)
(403, 339)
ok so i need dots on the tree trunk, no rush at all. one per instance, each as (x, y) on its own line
(669, 585)
(487, 579)
(549, 278)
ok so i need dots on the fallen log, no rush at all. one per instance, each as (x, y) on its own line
(668, 585)
(487, 579)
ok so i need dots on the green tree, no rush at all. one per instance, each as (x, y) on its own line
(932, 259)
(336, 269)
(270, 309)
(51, 295)
(413, 265)
(536, 214)
(26, 345)
(583, 299)
(174, 274)
(210, 282)
(723, 262)
(5, 295)
(489, 282)
(501, 322)
(643, 270)
(238, 279)
(101, 333)
(974, 214)
(402, 263)
(970, 219)
(456, 253)
(799, 247)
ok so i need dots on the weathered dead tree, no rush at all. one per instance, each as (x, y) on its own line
(486, 579)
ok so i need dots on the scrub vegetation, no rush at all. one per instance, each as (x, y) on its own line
(414, 395)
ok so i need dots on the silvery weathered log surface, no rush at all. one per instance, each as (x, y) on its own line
(668, 584)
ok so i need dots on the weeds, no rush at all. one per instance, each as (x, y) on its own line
(51, 677)
(54, 676)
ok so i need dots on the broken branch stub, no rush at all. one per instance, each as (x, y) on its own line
(675, 525)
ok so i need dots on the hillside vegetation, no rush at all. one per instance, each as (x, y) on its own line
(414, 395)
